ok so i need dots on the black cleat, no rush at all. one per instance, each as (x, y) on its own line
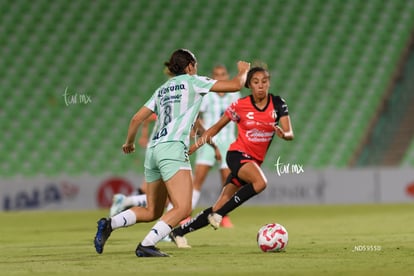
(149, 251)
(103, 233)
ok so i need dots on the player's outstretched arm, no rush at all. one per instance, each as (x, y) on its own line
(285, 130)
(236, 83)
(209, 134)
(139, 117)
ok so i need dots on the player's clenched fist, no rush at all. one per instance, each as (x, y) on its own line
(243, 66)
(128, 148)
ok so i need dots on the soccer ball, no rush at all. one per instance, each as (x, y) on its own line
(272, 237)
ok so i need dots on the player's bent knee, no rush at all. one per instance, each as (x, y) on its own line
(159, 212)
(155, 214)
(182, 212)
(187, 212)
(259, 186)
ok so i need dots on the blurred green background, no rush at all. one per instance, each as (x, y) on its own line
(332, 61)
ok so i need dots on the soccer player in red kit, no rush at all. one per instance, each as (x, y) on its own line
(259, 117)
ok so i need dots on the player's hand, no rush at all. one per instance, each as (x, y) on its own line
(279, 132)
(217, 154)
(128, 148)
(243, 66)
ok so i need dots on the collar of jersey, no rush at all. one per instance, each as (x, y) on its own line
(264, 108)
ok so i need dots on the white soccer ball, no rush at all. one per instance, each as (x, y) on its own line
(272, 237)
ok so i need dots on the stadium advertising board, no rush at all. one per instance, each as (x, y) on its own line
(309, 187)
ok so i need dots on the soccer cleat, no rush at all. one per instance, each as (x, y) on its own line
(226, 222)
(215, 219)
(117, 204)
(149, 251)
(103, 233)
(180, 241)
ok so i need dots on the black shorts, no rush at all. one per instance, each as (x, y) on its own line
(235, 160)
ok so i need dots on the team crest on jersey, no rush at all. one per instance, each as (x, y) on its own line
(233, 114)
(274, 114)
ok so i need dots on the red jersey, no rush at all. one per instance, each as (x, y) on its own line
(254, 125)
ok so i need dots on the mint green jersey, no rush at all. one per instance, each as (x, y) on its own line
(177, 103)
(212, 108)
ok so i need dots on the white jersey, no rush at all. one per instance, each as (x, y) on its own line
(212, 108)
(177, 103)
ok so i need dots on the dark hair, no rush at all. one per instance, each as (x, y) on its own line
(251, 72)
(179, 60)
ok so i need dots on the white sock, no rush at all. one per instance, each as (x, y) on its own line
(157, 233)
(123, 219)
(195, 198)
(135, 200)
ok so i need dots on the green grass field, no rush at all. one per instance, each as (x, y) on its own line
(322, 240)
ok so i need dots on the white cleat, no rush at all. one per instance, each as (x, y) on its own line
(215, 220)
(180, 241)
(117, 204)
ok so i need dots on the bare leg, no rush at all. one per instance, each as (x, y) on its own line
(156, 197)
(226, 221)
(226, 194)
(200, 175)
(224, 174)
(249, 172)
(253, 175)
(143, 187)
(200, 220)
(180, 189)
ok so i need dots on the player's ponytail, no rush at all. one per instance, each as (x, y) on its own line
(179, 61)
